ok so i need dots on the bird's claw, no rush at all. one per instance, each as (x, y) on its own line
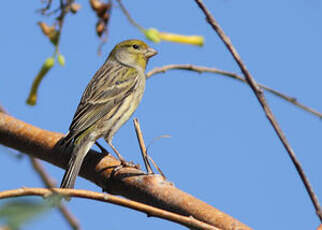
(126, 164)
(129, 164)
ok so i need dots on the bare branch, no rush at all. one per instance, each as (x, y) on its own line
(203, 69)
(142, 145)
(128, 16)
(42, 173)
(71, 219)
(144, 152)
(260, 97)
(99, 168)
(149, 210)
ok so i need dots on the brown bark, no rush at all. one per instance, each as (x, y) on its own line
(98, 168)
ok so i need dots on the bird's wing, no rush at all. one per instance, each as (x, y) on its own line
(103, 96)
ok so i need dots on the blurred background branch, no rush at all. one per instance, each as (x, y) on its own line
(49, 183)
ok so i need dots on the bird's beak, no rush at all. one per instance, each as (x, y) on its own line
(150, 52)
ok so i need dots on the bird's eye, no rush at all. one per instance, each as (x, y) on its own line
(135, 46)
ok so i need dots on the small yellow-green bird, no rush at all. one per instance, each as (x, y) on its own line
(109, 100)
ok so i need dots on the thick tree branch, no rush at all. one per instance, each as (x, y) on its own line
(37, 166)
(99, 168)
(261, 99)
(189, 222)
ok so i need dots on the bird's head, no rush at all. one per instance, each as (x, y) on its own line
(134, 53)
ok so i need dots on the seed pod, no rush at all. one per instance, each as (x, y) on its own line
(74, 8)
(100, 27)
(47, 30)
(95, 4)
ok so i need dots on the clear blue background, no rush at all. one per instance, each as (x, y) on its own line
(222, 150)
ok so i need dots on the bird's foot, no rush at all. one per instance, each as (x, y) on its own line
(126, 164)
(103, 150)
(129, 164)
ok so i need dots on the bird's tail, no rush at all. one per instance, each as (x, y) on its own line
(74, 165)
(65, 143)
(72, 171)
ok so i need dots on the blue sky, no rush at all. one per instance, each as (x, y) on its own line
(222, 148)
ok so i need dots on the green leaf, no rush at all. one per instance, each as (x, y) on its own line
(48, 64)
(17, 212)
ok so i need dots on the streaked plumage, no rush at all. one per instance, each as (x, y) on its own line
(108, 101)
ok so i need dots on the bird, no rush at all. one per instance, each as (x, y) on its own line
(109, 100)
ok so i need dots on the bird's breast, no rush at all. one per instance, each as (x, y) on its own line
(125, 110)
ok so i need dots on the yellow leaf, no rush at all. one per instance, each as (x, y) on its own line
(192, 40)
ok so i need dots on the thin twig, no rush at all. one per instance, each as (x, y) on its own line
(260, 97)
(144, 151)
(71, 219)
(64, 8)
(128, 16)
(139, 135)
(156, 166)
(201, 69)
(47, 7)
(48, 182)
(149, 210)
